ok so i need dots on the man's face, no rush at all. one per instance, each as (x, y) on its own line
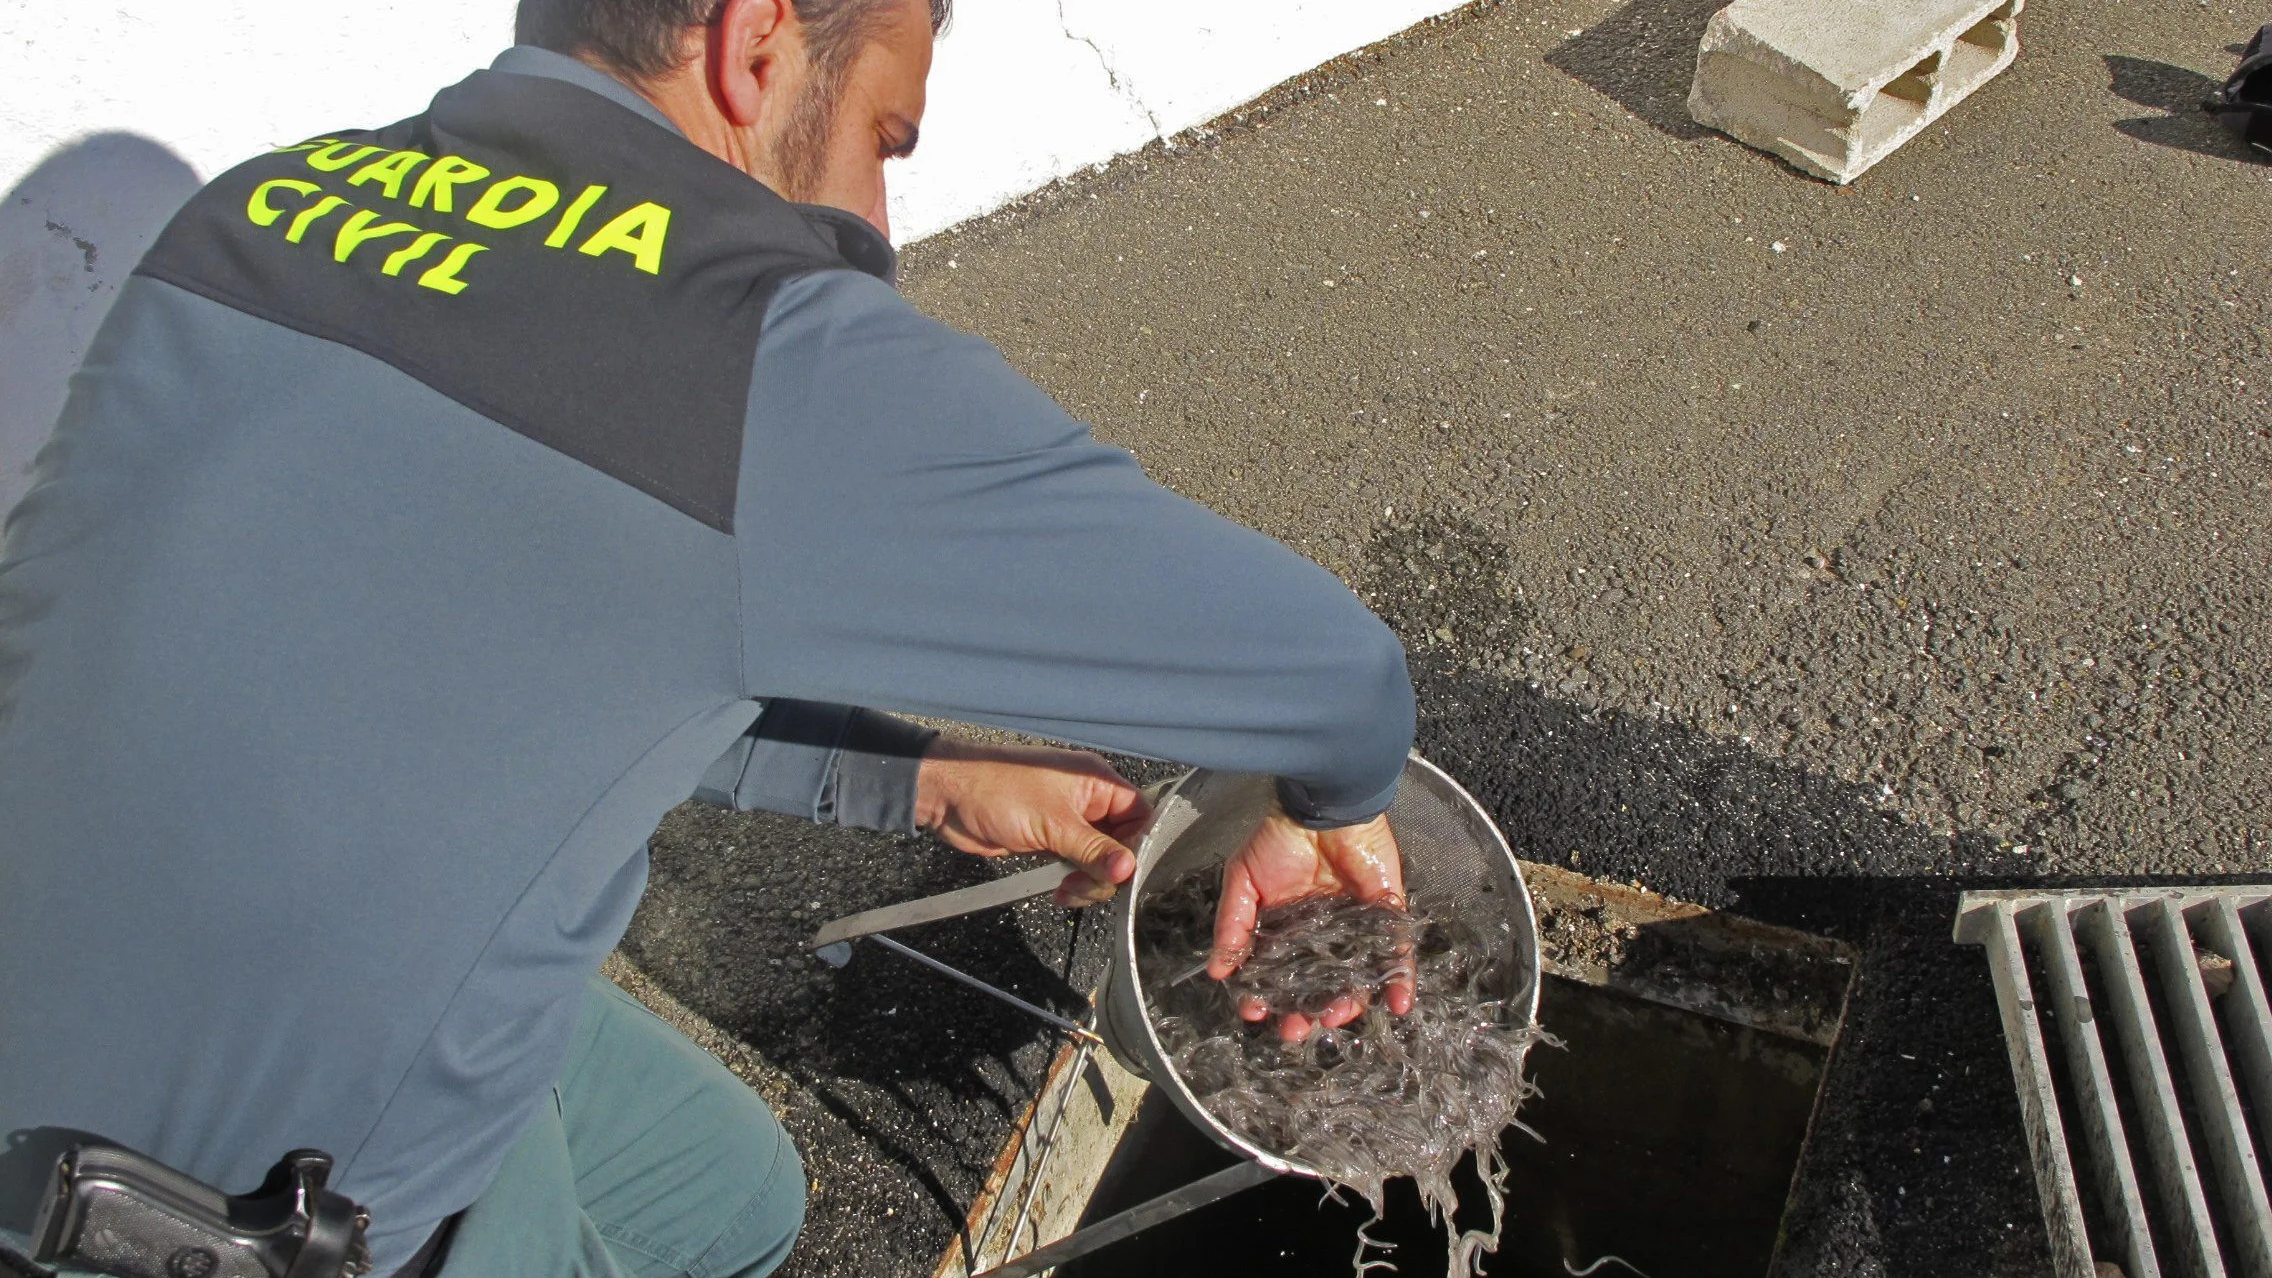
(833, 152)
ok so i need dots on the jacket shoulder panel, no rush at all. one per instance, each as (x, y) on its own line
(533, 251)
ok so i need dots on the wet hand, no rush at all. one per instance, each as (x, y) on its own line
(1001, 800)
(1286, 861)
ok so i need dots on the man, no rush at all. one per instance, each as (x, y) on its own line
(442, 504)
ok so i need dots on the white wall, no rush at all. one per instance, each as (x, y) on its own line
(1026, 91)
(111, 113)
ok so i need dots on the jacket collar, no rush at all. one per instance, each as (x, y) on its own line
(527, 59)
(858, 242)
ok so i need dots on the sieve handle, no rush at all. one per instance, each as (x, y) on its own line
(946, 905)
(955, 904)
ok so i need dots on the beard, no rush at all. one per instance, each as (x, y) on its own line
(800, 155)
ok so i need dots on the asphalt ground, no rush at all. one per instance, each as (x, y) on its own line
(898, 1086)
(1806, 551)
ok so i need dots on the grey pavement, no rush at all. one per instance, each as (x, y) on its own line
(1799, 550)
(1905, 481)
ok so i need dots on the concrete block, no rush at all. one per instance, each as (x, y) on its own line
(1834, 86)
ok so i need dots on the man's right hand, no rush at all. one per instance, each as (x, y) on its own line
(1285, 861)
(992, 800)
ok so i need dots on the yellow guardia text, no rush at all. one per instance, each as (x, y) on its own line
(454, 185)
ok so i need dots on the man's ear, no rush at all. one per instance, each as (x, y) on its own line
(747, 43)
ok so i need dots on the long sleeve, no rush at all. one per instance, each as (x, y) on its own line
(828, 763)
(923, 530)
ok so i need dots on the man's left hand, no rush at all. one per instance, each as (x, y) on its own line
(1001, 800)
(1286, 862)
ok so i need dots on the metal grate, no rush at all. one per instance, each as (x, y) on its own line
(2159, 1056)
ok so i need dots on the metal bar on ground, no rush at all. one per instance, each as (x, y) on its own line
(1082, 1032)
(1998, 933)
(2185, 1203)
(2112, 1174)
(2216, 1102)
(1243, 1174)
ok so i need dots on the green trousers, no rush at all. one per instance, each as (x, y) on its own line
(652, 1160)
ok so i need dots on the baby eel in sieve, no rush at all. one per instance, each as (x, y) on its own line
(1381, 1097)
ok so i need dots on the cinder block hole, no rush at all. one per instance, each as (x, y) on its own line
(1993, 32)
(1916, 84)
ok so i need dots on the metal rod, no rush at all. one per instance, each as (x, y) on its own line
(1074, 1028)
(1038, 1161)
(946, 905)
(1207, 1189)
(1058, 1087)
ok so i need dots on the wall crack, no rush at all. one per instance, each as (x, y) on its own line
(1111, 73)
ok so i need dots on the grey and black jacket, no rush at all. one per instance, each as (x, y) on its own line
(438, 507)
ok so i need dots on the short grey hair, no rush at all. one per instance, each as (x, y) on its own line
(640, 39)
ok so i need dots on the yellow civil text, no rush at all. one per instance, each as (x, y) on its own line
(445, 276)
(405, 256)
(360, 227)
(309, 215)
(261, 211)
(358, 230)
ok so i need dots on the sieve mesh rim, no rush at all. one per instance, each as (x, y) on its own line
(1174, 816)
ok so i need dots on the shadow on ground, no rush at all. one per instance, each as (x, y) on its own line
(2177, 92)
(1917, 1165)
(71, 230)
(1644, 56)
(1917, 1162)
(910, 1084)
(907, 1084)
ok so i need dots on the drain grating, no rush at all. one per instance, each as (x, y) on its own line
(2159, 1057)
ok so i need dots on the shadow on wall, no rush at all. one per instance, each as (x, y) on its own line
(70, 233)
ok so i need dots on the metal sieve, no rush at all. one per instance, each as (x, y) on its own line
(1455, 861)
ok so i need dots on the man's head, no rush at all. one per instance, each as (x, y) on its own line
(808, 96)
